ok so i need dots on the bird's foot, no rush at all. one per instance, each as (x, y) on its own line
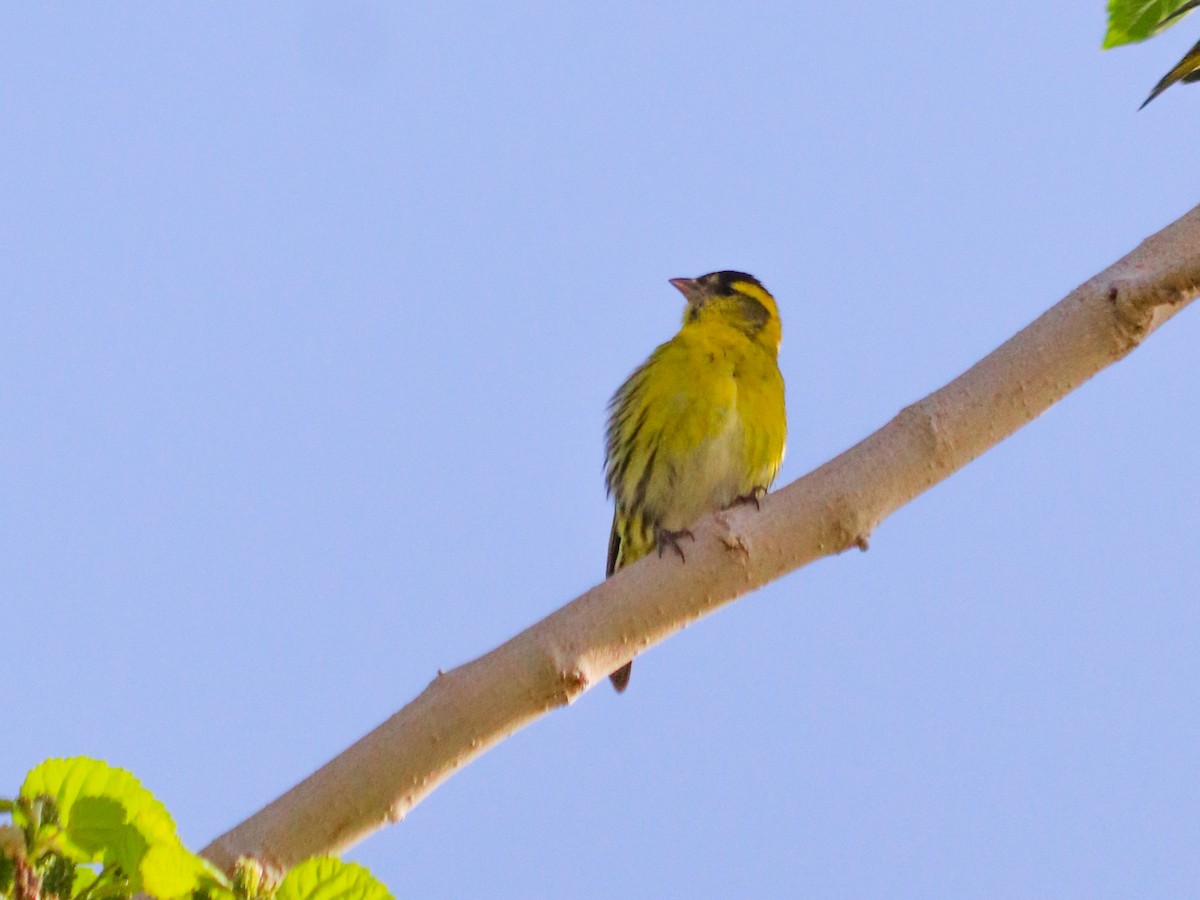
(664, 539)
(755, 496)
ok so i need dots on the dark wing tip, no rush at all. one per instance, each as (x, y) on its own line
(1158, 89)
(1186, 70)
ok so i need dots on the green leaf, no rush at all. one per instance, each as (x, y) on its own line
(325, 878)
(104, 812)
(1130, 21)
(169, 870)
(84, 878)
(98, 827)
(105, 815)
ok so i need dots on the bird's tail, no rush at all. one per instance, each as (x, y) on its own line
(620, 678)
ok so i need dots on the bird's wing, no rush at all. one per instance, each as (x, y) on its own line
(614, 547)
(1187, 69)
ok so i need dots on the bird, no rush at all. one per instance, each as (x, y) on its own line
(1187, 70)
(700, 426)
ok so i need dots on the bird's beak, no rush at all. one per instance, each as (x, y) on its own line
(689, 287)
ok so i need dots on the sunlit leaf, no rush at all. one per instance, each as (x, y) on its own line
(97, 808)
(324, 878)
(105, 816)
(84, 877)
(1130, 21)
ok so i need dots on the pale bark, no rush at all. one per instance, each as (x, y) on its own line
(465, 711)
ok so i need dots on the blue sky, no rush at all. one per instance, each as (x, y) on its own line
(308, 318)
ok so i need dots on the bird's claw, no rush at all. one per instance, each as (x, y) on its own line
(670, 539)
(755, 496)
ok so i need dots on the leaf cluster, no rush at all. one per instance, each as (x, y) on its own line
(80, 829)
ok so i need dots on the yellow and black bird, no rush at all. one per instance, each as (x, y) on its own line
(1187, 70)
(700, 425)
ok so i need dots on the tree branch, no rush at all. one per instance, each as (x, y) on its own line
(465, 711)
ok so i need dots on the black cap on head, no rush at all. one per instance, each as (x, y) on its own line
(722, 282)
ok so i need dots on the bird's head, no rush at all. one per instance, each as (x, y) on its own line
(735, 299)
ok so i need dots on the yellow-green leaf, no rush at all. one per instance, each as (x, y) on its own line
(169, 871)
(83, 878)
(325, 878)
(1130, 21)
(104, 812)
